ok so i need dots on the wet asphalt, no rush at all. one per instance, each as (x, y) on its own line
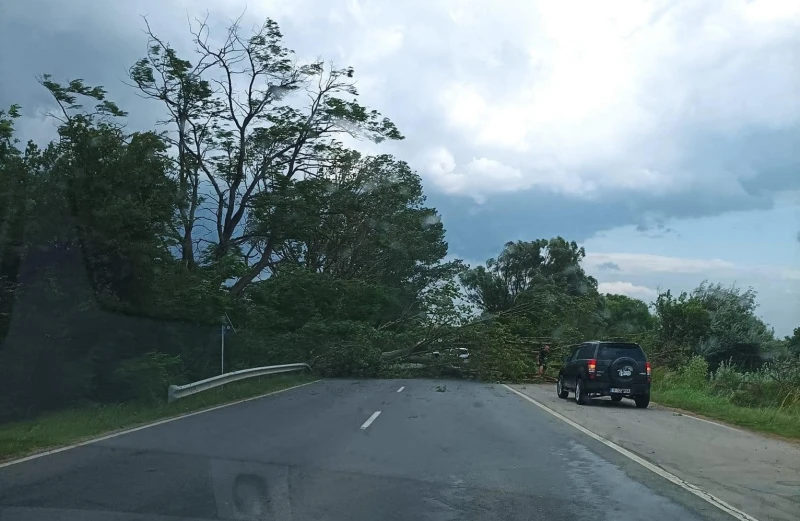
(438, 451)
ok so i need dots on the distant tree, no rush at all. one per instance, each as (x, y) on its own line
(118, 193)
(14, 192)
(523, 265)
(714, 321)
(734, 329)
(625, 316)
(793, 342)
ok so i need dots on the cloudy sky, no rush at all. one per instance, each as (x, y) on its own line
(662, 135)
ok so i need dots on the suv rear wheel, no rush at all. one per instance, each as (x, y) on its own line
(642, 401)
(580, 397)
(562, 393)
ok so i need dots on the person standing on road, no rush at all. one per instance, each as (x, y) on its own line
(543, 359)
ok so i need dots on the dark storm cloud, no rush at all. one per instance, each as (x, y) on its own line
(718, 171)
(71, 40)
(483, 229)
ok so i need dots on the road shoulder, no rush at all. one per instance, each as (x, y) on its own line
(753, 473)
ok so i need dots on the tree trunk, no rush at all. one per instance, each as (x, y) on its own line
(187, 248)
(254, 272)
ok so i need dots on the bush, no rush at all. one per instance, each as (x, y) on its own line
(726, 380)
(350, 359)
(343, 348)
(142, 379)
(695, 373)
(776, 384)
(497, 355)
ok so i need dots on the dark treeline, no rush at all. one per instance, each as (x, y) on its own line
(120, 252)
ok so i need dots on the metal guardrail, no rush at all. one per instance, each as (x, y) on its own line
(176, 392)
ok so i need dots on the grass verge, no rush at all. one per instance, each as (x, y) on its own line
(61, 428)
(771, 420)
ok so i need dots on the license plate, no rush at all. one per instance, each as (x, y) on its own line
(620, 391)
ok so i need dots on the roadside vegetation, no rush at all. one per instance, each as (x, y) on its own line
(123, 251)
(86, 421)
(766, 399)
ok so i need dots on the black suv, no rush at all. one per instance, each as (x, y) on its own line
(615, 369)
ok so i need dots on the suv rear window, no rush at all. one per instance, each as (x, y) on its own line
(614, 351)
(585, 352)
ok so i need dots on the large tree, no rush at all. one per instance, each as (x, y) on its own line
(119, 197)
(713, 321)
(14, 191)
(248, 122)
(793, 342)
(523, 265)
(626, 317)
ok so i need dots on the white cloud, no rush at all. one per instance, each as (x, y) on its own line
(618, 98)
(604, 100)
(777, 286)
(631, 99)
(643, 263)
(638, 263)
(378, 44)
(479, 176)
(626, 288)
(441, 162)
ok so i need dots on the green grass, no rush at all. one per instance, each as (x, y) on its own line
(772, 420)
(70, 426)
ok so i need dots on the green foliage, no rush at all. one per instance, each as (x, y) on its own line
(355, 356)
(734, 329)
(14, 191)
(626, 317)
(67, 97)
(522, 266)
(266, 158)
(774, 420)
(76, 424)
(144, 378)
(793, 342)
(319, 253)
(713, 321)
(695, 373)
(726, 379)
(532, 290)
(767, 399)
(775, 384)
(248, 204)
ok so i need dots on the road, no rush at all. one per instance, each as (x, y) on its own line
(754, 473)
(437, 451)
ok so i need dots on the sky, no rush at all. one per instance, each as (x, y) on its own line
(661, 135)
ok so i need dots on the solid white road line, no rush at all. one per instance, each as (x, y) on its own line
(704, 420)
(142, 427)
(694, 489)
(401, 389)
(370, 420)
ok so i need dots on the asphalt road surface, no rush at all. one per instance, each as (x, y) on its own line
(469, 451)
(753, 473)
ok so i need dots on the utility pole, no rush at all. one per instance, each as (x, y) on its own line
(222, 351)
(226, 324)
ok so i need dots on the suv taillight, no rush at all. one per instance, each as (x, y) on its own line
(649, 370)
(591, 366)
